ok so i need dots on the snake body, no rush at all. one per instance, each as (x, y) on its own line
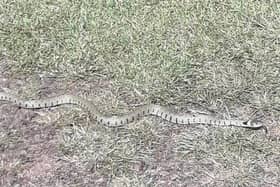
(115, 121)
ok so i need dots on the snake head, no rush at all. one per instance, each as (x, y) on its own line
(254, 124)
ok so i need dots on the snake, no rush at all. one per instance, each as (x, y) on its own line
(123, 119)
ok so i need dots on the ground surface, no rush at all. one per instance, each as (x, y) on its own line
(197, 55)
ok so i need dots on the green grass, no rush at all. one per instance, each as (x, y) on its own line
(223, 55)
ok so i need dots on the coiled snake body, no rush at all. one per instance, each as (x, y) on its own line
(114, 121)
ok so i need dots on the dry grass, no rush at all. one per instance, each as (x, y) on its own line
(223, 55)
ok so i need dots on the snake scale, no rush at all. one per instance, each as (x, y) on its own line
(115, 121)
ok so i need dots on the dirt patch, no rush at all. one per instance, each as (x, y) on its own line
(29, 143)
(28, 149)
